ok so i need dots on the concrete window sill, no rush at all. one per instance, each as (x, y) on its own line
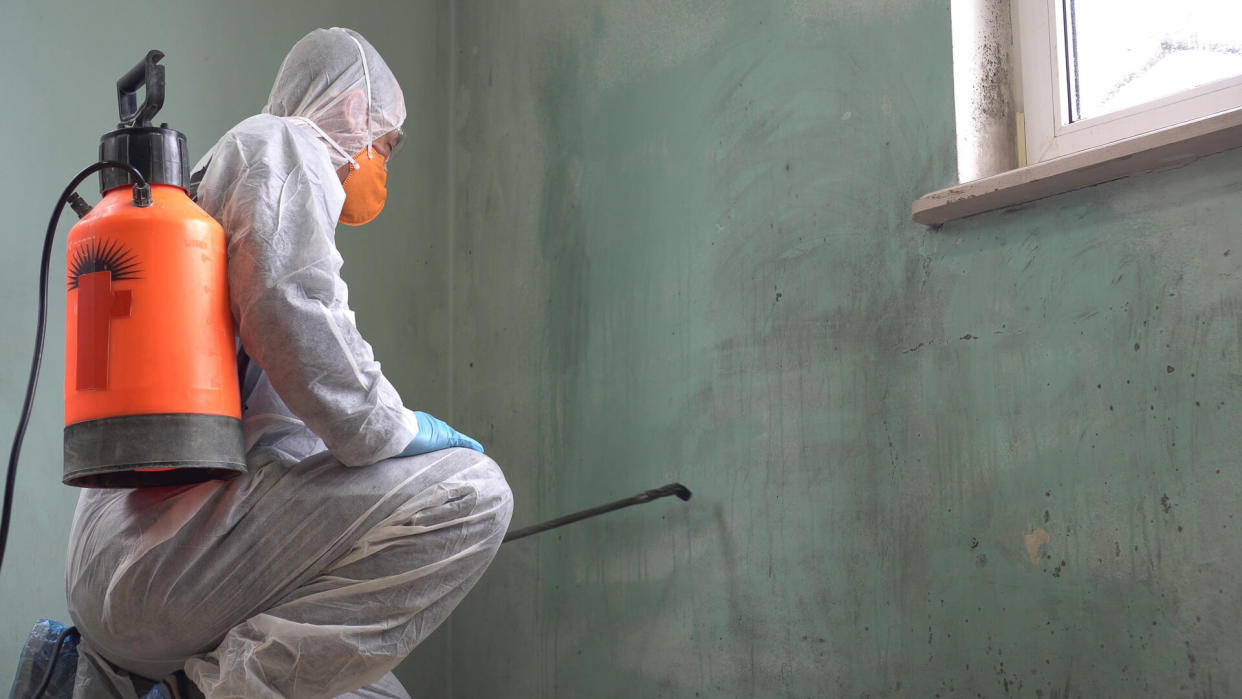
(1158, 150)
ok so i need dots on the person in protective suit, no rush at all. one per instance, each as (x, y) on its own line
(359, 524)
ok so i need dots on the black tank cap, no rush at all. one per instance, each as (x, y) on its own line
(158, 152)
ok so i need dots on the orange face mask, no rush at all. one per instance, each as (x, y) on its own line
(366, 188)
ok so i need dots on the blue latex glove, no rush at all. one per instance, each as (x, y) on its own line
(434, 435)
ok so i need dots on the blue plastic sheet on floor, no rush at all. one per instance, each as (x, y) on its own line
(36, 656)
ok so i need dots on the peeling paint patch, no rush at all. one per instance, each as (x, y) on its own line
(1035, 541)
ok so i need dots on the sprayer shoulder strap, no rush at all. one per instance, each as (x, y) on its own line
(195, 180)
(243, 365)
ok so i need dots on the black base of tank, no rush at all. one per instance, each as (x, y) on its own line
(139, 451)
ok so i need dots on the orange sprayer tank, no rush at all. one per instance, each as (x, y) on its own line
(151, 386)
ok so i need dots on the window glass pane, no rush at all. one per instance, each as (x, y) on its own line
(1120, 53)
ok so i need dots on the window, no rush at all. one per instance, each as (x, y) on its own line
(1053, 95)
(1097, 71)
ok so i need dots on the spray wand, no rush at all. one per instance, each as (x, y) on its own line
(677, 489)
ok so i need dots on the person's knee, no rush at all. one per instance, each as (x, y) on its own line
(494, 497)
(469, 489)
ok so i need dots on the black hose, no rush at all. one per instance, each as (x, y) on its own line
(10, 480)
(51, 665)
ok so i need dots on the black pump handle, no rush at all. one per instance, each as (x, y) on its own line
(145, 73)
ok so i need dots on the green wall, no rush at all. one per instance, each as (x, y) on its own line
(654, 240)
(60, 62)
(682, 251)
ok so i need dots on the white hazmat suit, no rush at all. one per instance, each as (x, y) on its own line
(317, 571)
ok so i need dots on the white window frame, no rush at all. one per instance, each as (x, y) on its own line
(1037, 34)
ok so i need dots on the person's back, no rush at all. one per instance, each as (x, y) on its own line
(356, 529)
(245, 183)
